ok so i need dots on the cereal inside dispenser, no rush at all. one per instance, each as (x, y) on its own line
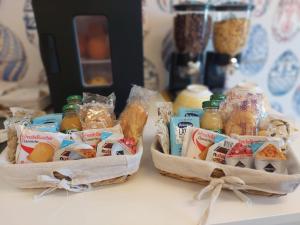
(230, 30)
(191, 31)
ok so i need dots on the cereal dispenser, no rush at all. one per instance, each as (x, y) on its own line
(230, 31)
(90, 46)
(191, 33)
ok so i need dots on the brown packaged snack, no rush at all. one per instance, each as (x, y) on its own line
(135, 115)
(97, 111)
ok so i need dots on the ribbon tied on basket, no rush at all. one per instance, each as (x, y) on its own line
(215, 186)
(61, 179)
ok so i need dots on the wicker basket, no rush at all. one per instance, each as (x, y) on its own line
(202, 172)
(89, 172)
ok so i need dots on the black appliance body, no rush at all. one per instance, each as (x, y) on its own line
(58, 24)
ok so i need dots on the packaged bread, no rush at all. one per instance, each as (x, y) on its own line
(135, 114)
(36, 146)
(97, 111)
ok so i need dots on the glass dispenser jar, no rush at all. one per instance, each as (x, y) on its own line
(192, 25)
(231, 26)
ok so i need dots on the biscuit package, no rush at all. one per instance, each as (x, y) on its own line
(218, 151)
(36, 146)
(135, 114)
(97, 111)
(240, 155)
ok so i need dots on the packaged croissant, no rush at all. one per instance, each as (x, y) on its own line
(245, 117)
(249, 102)
(97, 111)
(135, 114)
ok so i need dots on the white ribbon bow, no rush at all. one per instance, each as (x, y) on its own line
(63, 183)
(215, 186)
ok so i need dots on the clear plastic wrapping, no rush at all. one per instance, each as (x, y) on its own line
(97, 111)
(135, 114)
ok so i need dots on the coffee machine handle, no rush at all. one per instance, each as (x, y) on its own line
(49, 54)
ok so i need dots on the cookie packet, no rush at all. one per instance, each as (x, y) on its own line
(36, 146)
(240, 155)
(116, 144)
(178, 129)
(218, 151)
(270, 158)
(197, 142)
(135, 115)
(97, 111)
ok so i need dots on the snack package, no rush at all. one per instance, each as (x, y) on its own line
(18, 112)
(97, 111)
(164, 111)
(218, 151)
(93, 136)
(270, 158)
(36, 146)
(240, 155)
(244, 109)
(55, 119)
(197, 142)
(115, 144)
(49, 127)
(11, 125)
(255, 142)
(178, 128)
(162, 136)
(244, 118)
(75, 151)
(187, 112)
(135, 115)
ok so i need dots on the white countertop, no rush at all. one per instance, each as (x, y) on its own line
(146, 199)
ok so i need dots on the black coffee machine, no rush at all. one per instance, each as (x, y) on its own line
(230, 33)
(90, 46)
(192, 24)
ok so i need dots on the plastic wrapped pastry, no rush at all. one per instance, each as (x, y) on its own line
(135, 115)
